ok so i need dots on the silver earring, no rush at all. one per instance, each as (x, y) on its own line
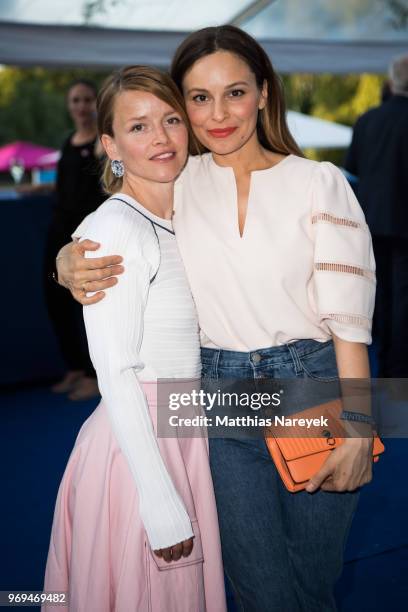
(118, 168)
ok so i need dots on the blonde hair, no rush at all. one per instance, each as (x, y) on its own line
(135, 78)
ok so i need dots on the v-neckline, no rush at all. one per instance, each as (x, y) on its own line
(236, 203)
(231, 173)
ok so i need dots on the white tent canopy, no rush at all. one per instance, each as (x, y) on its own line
(299, 35)
(311, 132)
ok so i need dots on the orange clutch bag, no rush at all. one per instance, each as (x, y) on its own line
(297, 459)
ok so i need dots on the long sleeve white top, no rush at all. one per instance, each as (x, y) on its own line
(145, 328)
(303, 268)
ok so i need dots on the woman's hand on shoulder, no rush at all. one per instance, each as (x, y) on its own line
(348, 467)
(81, 275)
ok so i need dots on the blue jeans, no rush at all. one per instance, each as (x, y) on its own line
(282, 552)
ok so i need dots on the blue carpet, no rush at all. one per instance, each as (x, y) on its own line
(38, 430)
(376, 583)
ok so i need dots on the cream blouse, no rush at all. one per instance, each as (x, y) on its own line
(304, 267)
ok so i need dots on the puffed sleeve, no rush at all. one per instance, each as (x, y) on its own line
(114, 328)
(344, 265)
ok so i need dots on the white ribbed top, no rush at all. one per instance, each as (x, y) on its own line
(145, 328)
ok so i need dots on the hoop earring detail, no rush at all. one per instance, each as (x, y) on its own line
(117, 168)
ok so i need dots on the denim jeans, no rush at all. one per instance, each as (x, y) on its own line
(282, 551)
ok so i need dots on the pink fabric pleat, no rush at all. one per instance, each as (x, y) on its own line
(98, 551)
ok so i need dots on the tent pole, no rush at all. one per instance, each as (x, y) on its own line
(254, 8)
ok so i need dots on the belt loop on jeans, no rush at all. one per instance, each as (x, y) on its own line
(216, 359)
(295, 358)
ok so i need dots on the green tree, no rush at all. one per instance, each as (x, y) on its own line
(32, 101)
(32, 104)
(339, 98)
(344, 99)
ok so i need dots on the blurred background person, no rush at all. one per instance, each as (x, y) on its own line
(386, 91)
(78, 192)
(378, 156)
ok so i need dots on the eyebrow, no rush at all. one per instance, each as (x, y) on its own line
(143, 117)
(227, 87)
(137, 118)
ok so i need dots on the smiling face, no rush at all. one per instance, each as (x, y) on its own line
(149, 136)
(223, 101)
(81, 101)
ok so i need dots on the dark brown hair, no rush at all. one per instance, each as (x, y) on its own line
(273, 131)
(87, 83)
(135, 78)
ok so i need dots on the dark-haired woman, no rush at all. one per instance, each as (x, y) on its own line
(280, 264)
(78, 192)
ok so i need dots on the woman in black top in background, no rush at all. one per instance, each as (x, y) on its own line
(78, 193)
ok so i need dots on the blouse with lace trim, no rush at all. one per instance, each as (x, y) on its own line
(303, 268)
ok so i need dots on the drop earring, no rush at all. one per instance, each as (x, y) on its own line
(118, 168)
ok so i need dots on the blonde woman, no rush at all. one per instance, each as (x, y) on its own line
(130, 505)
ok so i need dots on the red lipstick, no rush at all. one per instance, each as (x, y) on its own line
(222, 132)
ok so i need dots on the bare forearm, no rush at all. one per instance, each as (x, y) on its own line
(350, 465)
(352, 359)
(353, 363)
(81, 275)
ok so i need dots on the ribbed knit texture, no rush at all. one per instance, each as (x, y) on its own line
(142, 330)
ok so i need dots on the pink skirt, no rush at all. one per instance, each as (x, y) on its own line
(99, 553)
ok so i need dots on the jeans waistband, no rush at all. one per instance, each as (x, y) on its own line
(274, 354)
